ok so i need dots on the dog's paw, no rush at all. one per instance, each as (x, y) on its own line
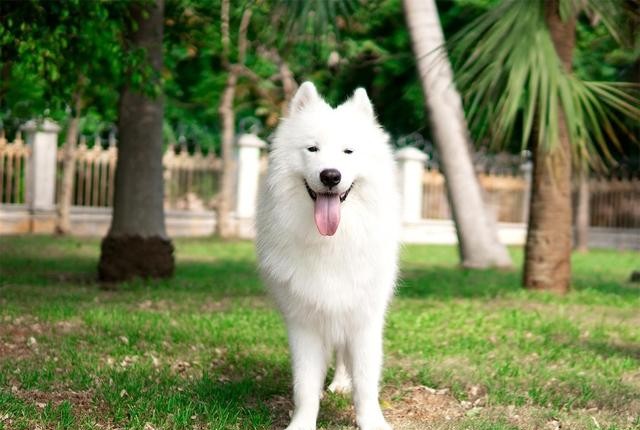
(340, 386)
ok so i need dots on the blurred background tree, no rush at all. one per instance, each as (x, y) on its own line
(366, 45)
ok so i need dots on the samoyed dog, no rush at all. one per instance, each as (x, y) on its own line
(327, 244)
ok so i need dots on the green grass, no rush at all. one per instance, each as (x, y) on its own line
(207, 350)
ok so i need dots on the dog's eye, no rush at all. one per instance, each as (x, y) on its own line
(312, 149)
(348, 151)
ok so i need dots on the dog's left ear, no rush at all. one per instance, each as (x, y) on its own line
(360, 100)
(305, 96)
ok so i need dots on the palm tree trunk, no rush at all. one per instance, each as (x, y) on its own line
(476, 228)
(137, 243)
(548, 248)
(63, 221)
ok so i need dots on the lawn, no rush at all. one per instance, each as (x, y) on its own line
(464, 349)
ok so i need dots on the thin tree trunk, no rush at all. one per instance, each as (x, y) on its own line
(548, 248)
(582, 213)
(226, 226)
(63, 221)
(137, 243)
(476, 228)
(289, 86)
(284, 75)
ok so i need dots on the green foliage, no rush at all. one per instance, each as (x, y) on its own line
(45, 47)
(53, 52)
(207, 349)
(512, 77)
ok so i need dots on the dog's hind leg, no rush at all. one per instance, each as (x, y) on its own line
(341, 380)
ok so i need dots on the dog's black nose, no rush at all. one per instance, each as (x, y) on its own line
(330, 177)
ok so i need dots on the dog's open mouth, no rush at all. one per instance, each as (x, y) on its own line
(327, 209)
(314, 195)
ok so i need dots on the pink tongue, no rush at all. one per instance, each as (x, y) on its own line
(327, 213)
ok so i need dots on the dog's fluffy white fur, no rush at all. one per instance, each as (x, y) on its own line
(333, 290)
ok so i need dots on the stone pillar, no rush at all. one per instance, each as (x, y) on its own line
(249, 146)
(42, 139)
(411, 169)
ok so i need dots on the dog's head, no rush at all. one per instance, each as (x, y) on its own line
(329, 152)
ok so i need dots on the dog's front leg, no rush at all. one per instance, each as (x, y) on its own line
(310, 357)
(365, 351)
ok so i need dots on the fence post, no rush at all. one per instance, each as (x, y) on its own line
(249, 146)
(411, 168)
(526, 168)
(42, 138)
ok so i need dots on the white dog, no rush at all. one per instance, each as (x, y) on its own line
(327, 244)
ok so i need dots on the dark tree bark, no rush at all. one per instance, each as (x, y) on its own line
(548, 248)
(137, 244)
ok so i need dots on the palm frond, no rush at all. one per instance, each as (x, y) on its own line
(512, 78)
(315, 17)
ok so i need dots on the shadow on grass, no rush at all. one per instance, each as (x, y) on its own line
(448, 282)
(452, 282)
(255, 393)
(230, 270)
(211, 398)
(607, 349)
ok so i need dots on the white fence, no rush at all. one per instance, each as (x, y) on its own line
(31, 171)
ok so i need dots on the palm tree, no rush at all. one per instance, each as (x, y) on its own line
(475, 225)
(514, 65)
(137, 243)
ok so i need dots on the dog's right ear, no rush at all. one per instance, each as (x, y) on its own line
(305, 95)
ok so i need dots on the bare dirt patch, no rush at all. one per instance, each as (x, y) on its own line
(19, 336)
(421, 408)
(281, 408)
(82, 401)
(84, 404)
(408, 408)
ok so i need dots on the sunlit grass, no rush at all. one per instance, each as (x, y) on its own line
(207, 350)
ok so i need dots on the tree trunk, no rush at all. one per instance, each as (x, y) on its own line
(582, 212)
(289, 86)
(226, 229)
(63, 221)
(476, 228)
(137, 243)
(548, 248)
(226, 226)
